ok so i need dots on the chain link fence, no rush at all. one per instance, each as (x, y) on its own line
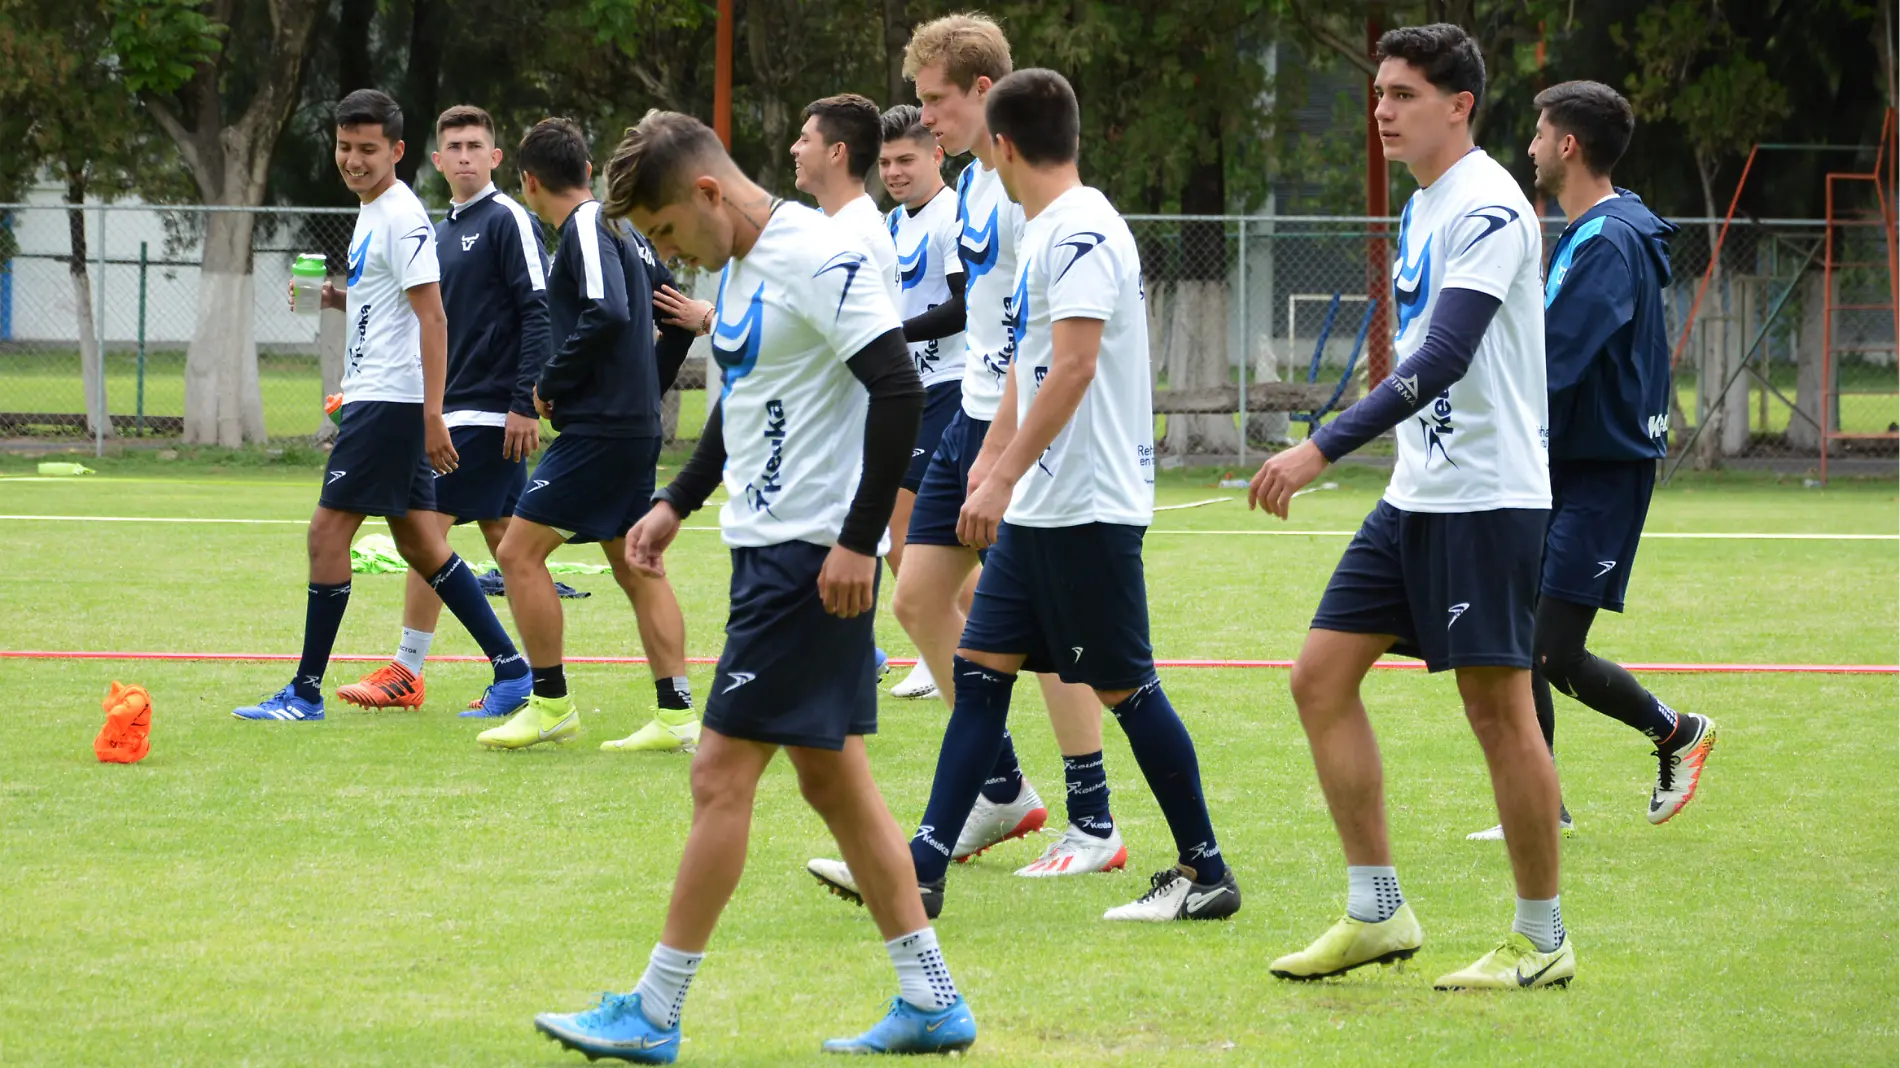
(1262, 323)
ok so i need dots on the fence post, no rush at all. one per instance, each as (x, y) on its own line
(1245, 338)
(99, 301)
(142, 267)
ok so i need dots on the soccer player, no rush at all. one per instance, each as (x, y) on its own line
(835, 150)
(601, 387)
(930, 298)
(494, 291)
(1445, 567)
(393, 440)
(1607, 354)
(811, 433)
(1063, 492)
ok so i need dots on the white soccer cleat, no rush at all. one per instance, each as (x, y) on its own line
(1078, 852)
(1565, 827)
(917, 685)
(1173, 896)
(1679, 770)
(991, 824)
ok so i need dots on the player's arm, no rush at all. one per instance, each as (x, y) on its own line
(944, 320)
(1002, 431)
(847, 583)
(675, 340)
(1596, 299)
(1076, 343)
(603, 314)
(647, 541)
(421, 275)
(520, 263)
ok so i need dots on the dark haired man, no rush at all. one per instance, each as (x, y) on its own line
(1445, 567)
(393, 440)
(835, 150)
(1607, 352)
(494, 291)
(601, 388)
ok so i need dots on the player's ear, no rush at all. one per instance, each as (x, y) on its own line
(395, 152)
(494, 157)
(590, 174)
(981, 87)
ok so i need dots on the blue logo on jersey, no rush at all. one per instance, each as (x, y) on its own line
(735, 346)
(359, 256)
(976, 248)
(911, 268)
(1015, 325)
(1412, 286)
(1438, 429)
(1560, 266)
(1083, 243)
(1496, 217)
(848, 262)
(758, 493)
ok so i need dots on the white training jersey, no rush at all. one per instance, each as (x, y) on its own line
(391, 252)
(1481, 444)
(1078, 260)
(926, 241)
(990, 224)
(790, 313)
(862, 218)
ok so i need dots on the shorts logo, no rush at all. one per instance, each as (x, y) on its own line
(739, 678)
(1077, 650)
(1607, 566)
(915, 453)
(468, 241)
(334, 475)
(1456, 611)
(538, 483)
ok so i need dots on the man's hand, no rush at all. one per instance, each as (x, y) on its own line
(647, 541)
(983, 511)
(678, 309)
(848, 583)
(541, 407)
(1283, 475)
(438, 444)
(333, 298)
(520, 437)
(979, 471)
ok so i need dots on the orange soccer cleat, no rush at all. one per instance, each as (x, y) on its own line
(125, 739)
(389, 686)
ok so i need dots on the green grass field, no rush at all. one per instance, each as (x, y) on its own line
(378, 890)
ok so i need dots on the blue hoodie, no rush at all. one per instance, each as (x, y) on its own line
(1605, 336)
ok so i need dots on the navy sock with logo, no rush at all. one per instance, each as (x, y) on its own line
(1005, 780)
(970, 741)
(322, 615)
(1088, 793)
(1166, 756)
(462, 595)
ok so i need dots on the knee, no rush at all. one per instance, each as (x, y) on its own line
(905, 607)
(1311, 686)
(1559, 661)
(511, 554)
(821, 793)
(715, 786)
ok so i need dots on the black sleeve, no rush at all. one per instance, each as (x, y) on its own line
(942, 321)
(703, 470)
(670, 352)
(1458, 324)
(890, 432)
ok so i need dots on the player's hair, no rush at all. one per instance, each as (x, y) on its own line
(657, 161)
(1035, 108)
(852, 119)
(1447, 54)
(464, 115)
(371, 107)
(1596, 115)
(969, 46)
(905, 123)
(555, 152)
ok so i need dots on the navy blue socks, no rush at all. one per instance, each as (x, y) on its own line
(322, 615)
(1005, 780)
(970, 742)
(462, 595)
(1166, 755)
(1088, 793)
(550, 682)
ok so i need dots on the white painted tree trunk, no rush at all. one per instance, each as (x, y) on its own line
(1198, 339)
(91, 369)
(1735, 401)
(222, 402)
(332, 333)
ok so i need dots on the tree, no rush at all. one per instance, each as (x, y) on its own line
(220, 77)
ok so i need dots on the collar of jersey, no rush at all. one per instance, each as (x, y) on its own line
(456, 210)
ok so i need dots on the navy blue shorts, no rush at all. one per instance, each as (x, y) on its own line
(591, 489)
(933, 519)
(1072, 599)
(1458, 589)
(942, 403)
(485, 484)
(378, 465)
(1597, 508)
(791, 673)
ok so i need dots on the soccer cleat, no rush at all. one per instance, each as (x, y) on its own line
(1565, 826)
(835, 876)
(909, 1029)
(1173, 896)
(659, 736)
(1515, 965)
(1679, 770)
(614, 1028)
(882, 666)
(504, 697)
(389, 686)
(991, 824)
(542, 719)
(284, 704)
(1351, 944)
(917, 685)
(1078, 852)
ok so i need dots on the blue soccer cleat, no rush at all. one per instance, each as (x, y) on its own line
(284, 704)
(504, 697)
(883, 665)
(614, 1028)
(909, 1029)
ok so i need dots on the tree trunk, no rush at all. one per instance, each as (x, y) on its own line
(1804, 433)
(419, 95)
(354, 18)
(222, 404)
(1709, 412)
(332, 333)
(768, 82)
(1734, 402)
(91, 364)
(897, 29)
(1199, 336)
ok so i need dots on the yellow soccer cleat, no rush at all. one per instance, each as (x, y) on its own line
(542, 719)
(1352, 943)
(1515, 965)
(663, 734)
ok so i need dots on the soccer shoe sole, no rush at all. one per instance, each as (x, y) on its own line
(1033, 823)
(1707, 745)
(933, 902)
(1396, 956)
(562, 738)
(1118, 862)
(665, 1054)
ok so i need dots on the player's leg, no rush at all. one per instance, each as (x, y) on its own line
(328, 544)
(419, 538)
(549, 714)
(900, 529)
(926, 606)
(1547, 726)
(674, 728)
(646, 1020)
(400, 683)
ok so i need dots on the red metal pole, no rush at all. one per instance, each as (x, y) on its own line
(1378, 255)
(722, 76)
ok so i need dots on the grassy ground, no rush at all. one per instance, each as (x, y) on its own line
(378, 890)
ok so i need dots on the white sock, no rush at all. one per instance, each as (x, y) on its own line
(1372, 894)
(663, 986)
(1542, 922)
(923, 979)
(413, 647)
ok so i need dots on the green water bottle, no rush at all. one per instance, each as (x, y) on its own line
(306, 284)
